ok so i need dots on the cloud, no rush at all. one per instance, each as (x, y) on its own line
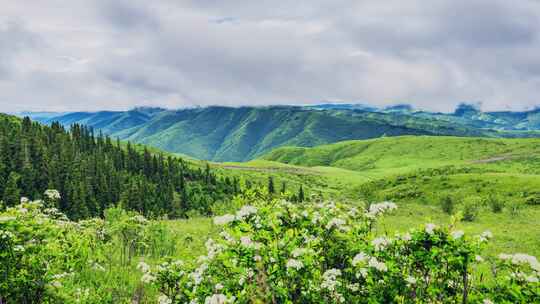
(90, 55)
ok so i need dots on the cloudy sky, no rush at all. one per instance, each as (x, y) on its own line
(100, 54)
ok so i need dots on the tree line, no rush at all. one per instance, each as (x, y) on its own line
(93, 172)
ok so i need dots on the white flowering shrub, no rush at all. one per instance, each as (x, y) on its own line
(326, 253)
(46, 258)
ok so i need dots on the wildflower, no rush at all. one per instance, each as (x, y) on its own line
(52, 194)
(224, 219)
(430, 228)
(98, 267)
(362, 272)
(245, 211)
(299, 252)
(521, 258)
(212, 248)
(226, 236)
(248, 243)
(143, 267)
(380, 266)
(335, 222)
(380, 208)
(257, 258)
(139, 219)
(242, 280)
(218, 299)
(457, 234)
(18, 248)
(478, 258)
(163, 299)
(218, 286)
(380, 243)
(147, 278)
(24, 200)
(197, 275)
(4, 219)
(410, 280)
(295, 264)
(487, 301)
(353, 287)
(330, 281)
(486, 235)
(405, 237)
(359, 258)
(56, 284)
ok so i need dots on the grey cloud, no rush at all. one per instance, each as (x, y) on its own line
(119, 54)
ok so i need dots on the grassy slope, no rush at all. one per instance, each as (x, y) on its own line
(405, 153)
(416, 172)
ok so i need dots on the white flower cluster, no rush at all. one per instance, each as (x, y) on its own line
(219, 299)
(430, 228)
(212, 248)
(521, 258)
(338, 223)
(329, 278)
(380, 243)
(139, 219)
(380, 266)
(485, 236)
(241, 214)
(147, 276)
(299, 252)
(224, 219)
(380, 208)
(359, 258)
(52, 194)
(457, 234)
(163, 299)
(294, 264)
(245, 212)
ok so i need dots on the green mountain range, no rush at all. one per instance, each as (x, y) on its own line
(243, 133)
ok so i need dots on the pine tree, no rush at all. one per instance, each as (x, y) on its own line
(301, 197)
(12, 194)
(271, 189)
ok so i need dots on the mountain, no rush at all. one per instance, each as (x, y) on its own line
(243, 133)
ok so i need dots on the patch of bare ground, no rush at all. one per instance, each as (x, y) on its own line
(273, 169)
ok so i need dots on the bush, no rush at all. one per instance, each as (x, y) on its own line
(447, 204)
(495, 204)
(533, 199)
(327, 253)
(514, 207)
(471, 207)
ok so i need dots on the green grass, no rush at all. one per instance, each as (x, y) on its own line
(512, 232)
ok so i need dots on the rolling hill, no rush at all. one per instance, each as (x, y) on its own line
(245, 133)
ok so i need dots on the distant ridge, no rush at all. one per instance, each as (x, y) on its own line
(222, 133)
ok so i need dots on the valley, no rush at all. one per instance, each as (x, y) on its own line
(469, 184)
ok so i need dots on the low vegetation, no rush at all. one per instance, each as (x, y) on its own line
(267, 252)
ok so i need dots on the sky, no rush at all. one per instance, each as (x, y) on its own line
(92, 55)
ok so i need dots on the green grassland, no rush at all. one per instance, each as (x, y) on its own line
(416, 172)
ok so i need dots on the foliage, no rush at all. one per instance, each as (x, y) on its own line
(495, 203)
(471, 206)
(326, 252)
(447, 204)
(92, 173)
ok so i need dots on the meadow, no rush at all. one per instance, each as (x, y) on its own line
(466, 186)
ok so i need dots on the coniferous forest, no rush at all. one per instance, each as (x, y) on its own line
(94, 172)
